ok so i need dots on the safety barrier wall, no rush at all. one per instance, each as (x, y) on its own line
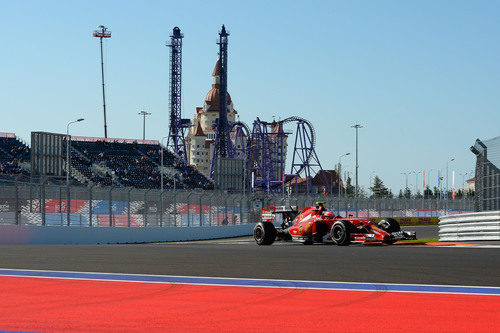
(23, 234)
(471, 226)
(51, 205)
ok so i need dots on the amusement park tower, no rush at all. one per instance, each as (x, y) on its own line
(177, 126)
(201, 139)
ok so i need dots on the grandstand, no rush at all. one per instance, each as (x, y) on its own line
(15, 156)
(109, 162)
(487, 177)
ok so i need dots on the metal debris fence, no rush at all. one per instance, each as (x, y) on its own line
(54, 205)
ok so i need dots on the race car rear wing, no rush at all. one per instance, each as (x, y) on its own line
(288, 213)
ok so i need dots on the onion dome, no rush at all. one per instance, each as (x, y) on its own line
(212, 100)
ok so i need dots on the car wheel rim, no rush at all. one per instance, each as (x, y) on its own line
(337, 232)
(258, 233)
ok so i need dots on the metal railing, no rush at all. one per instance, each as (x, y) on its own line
(55, 205)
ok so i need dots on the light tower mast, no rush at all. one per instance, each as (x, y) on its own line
(222, 138)
(177, 124)
(103, 32)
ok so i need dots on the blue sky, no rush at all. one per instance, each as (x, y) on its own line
(422, 76)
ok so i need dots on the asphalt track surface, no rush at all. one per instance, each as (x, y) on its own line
(242, 258)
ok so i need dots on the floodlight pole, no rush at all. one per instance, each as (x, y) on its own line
(101, 33)
(357, 126)
(144, 114)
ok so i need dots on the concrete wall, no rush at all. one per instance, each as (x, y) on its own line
(13, 234)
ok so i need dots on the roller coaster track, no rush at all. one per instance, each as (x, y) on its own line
(312, 138)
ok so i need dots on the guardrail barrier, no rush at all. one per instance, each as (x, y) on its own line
(470, 226)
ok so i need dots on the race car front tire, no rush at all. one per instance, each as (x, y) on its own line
(264, 233)
(389, 225)
(341, 233)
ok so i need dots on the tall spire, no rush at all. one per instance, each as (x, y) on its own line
(177, 125)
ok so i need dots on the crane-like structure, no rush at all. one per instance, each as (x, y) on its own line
(177, 126)
(223, 146)
(222, 138)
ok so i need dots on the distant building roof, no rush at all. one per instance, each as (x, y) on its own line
(198, 130)
(330, 175)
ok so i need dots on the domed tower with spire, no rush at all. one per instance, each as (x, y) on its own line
(200, 147)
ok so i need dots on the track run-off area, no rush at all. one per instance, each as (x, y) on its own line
(235, 285)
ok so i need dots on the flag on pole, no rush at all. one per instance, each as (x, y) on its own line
(424, 179)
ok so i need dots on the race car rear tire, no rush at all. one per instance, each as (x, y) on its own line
(341, 232)
(264, 233)
(389, 225)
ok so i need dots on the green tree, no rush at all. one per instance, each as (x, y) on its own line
(379, 189)
(407, 192)
(428, 192)
(349, 188)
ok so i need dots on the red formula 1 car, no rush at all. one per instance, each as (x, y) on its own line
(317, 225)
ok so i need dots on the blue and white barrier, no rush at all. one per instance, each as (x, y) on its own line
(23, 234)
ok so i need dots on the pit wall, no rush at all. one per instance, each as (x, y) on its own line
(13, 234)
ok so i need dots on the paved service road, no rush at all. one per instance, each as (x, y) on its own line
(291, 261)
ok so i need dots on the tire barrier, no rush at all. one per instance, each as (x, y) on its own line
(471, 226)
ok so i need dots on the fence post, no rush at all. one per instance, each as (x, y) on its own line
(128, 206)
(210, 210)
(42, 202)
(68, 206)
(145, 214)
(60, 205)
(90, 205)
(161, 208)
(110, 199)
(175, 206)
(16, 215)
(201, 213)
(234, 204)
(188, 206)
(241, 208)
(225, 207)
(31, 197)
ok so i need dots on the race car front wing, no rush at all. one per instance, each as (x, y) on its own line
(404, 235)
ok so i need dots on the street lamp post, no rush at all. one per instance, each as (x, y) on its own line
(406, 174)
(161, 165)
(447, 174)
(357, 126)
(144, 114)
(340, 171)
(338, 176)
(416, 181)
(372, 185)
(68, 167)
